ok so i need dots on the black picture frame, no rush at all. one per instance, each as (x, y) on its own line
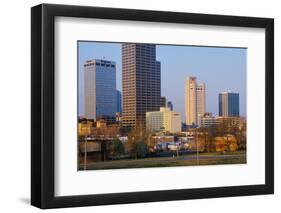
(43, 105)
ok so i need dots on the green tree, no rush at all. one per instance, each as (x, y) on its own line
(140, 149)
(211, 136)
(116, 148)
(138, 138)
(241, 136)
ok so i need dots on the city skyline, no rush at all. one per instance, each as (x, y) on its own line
(147, 133)
(171, 85)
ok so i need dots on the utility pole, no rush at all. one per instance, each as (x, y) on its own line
(197, 154)
(85, 153)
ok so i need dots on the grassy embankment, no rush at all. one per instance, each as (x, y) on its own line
(238, 157)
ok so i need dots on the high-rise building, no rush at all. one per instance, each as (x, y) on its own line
(195, 104)
(141, 83)
(99, 89)
(163, 101)
(163, 120)
(228, 104)
(170, 105)
(201, 105)
(119, 101)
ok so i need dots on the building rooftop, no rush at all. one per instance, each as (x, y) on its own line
(100, 62)
(228, 92)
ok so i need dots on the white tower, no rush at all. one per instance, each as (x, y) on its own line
(195, 104)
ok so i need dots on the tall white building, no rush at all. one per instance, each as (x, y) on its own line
(163, 120)
(195, 101)
(99, 89)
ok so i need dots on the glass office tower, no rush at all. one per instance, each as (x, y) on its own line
(99, 89)
(228, 104)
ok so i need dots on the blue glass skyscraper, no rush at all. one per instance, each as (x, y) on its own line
(229, 104)
(99, 89)
(119, 101)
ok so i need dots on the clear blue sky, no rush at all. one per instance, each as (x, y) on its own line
(220, 69)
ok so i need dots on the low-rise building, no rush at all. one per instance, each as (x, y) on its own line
(101, 123)
(229, 122)
(85, 128)
(163, 120)
(207, 120)
(108, 131)
(155, 121)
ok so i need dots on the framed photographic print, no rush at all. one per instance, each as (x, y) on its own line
(139, 106)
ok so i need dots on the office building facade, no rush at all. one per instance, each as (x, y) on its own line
(163, 120)
(99, 89)
(201, 101)
(231, 122)
(119, 101)
(141, 83)
(195, 100)
(228, 104)
(207, 120)
(163, 101)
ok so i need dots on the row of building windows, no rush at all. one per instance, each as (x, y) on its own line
(146, 92)
(99, 64)
(155, 105)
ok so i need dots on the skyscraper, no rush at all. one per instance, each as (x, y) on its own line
(99, 89)
(163, 101)
(201, 105)
(228, 104)
(170, 105)
(195, 103)
(141, 83)
(119, 101)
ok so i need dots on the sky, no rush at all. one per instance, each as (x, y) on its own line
(220, 68)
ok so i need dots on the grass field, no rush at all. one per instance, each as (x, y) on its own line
(238, 157)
